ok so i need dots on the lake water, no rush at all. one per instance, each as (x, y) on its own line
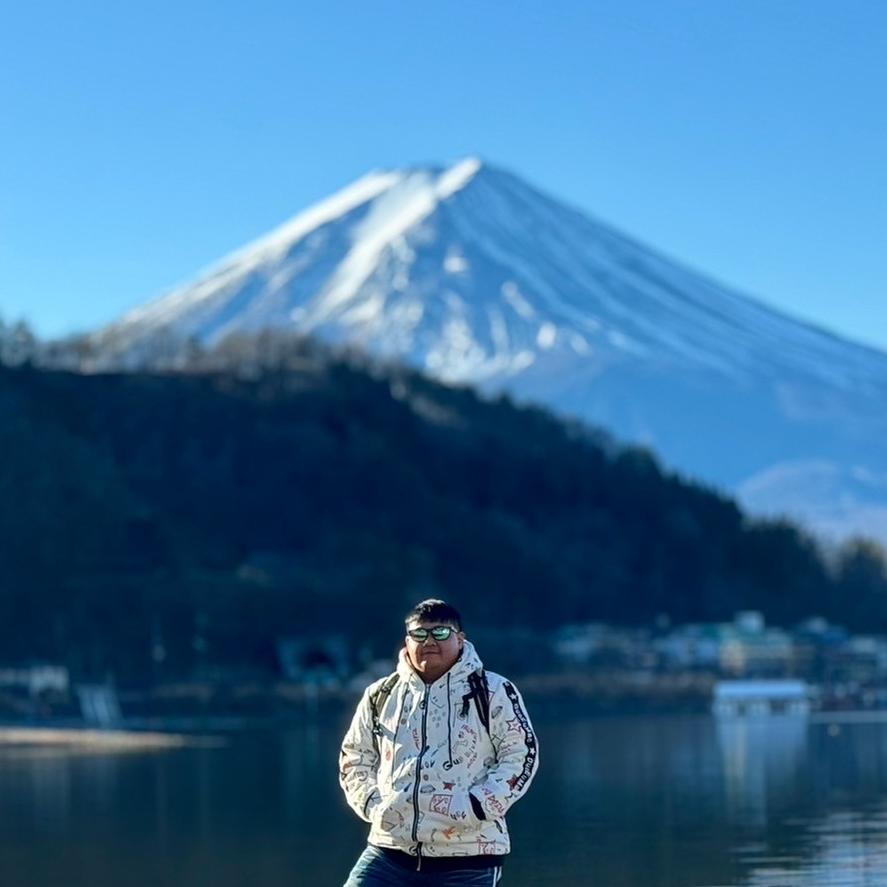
(640, 802)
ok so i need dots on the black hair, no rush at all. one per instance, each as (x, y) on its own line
(434, 610)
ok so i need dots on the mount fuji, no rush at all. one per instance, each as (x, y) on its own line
(473, 276)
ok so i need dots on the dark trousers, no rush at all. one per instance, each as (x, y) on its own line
(374, 869)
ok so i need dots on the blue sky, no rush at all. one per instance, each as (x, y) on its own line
(141, 142)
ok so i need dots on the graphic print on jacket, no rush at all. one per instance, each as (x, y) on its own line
(411, 780)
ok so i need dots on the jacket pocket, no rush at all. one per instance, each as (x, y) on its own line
(447, 813)
(391, 815)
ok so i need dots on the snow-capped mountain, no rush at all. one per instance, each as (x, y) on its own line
(472, 275)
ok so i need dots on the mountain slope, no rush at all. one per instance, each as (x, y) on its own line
(473, 276)
(316, 498)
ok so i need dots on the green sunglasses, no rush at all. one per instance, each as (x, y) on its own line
(439, 633)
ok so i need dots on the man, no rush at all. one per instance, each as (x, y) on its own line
(435, 755)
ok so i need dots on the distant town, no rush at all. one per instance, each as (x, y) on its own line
(742, 667)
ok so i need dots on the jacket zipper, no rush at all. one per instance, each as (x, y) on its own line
(418, 784)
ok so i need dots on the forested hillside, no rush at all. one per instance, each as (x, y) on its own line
(269, 489)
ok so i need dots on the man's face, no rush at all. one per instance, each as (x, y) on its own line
(433, 657)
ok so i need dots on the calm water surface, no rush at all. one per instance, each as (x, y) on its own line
(640, 802)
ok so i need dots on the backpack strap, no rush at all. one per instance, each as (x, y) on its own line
(377, 703)
(479, 688)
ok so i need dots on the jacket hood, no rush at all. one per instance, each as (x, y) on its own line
(467, 663)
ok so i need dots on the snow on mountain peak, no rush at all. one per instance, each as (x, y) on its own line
(464, 268)
(395, 201)
(457, 176)
(472, 275)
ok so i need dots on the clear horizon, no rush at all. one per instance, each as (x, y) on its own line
(743, 140)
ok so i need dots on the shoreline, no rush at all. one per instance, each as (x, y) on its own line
(117, 739)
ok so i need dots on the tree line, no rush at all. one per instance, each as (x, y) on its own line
(156, 522)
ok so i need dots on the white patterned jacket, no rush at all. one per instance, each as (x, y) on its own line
(411, 779)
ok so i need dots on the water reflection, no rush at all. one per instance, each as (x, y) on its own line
(814, 792)
(652, 802)
(844, 848)
(762, 756)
